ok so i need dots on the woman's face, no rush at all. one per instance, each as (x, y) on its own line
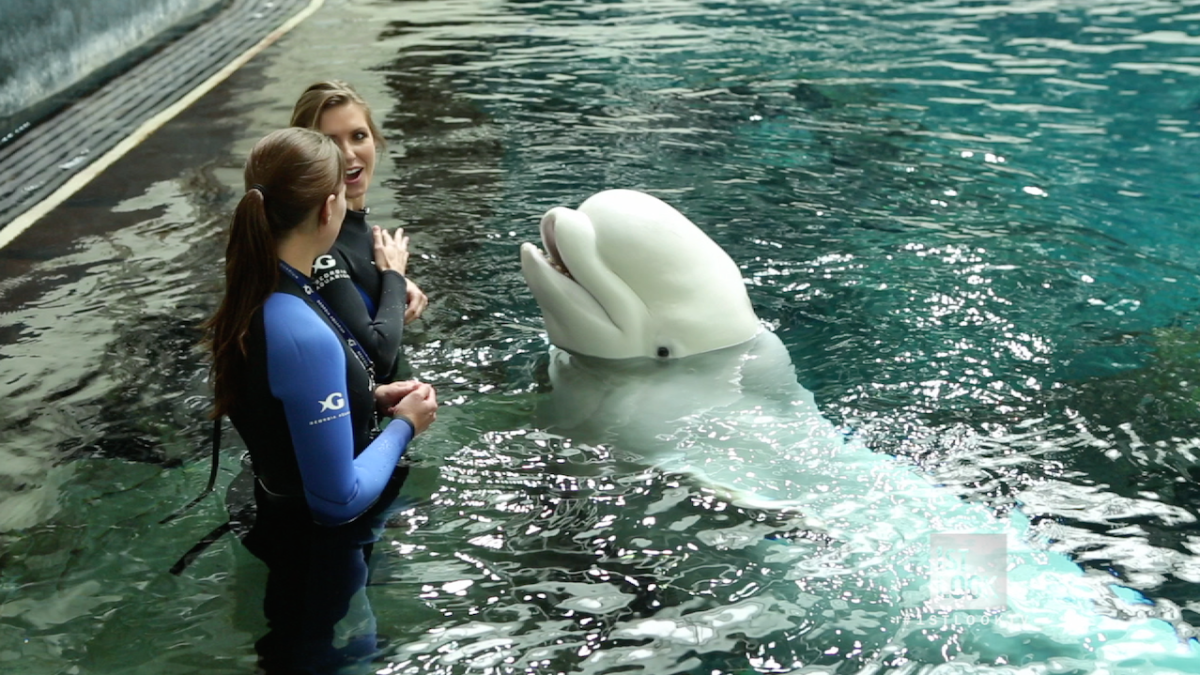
(347, 126)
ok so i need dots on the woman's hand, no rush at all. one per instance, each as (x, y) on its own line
(417, 302)
(391, 253)
(413, 400)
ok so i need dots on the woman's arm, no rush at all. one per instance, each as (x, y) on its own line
(306, 367)
(379, 329)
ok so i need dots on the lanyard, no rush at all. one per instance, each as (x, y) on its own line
(355, 347)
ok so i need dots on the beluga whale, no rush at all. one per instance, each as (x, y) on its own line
(657, 352)
(622, 290)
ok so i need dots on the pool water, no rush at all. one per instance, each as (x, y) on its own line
(971, 223)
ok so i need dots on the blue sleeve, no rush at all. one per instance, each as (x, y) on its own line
(306, 368)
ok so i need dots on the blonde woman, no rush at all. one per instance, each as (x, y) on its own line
(363, 275)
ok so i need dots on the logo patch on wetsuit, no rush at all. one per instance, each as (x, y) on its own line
(334, 401)
(323, 263)
(325, 278)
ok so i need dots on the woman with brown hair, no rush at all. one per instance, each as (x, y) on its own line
(363, 274)
(302, 394)
(298, 387)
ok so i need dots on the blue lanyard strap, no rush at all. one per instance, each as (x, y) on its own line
(354, 345)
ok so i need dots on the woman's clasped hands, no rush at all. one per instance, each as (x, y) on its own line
(411, 399)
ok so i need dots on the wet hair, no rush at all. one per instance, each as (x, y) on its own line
(289, 175)
(327, 94)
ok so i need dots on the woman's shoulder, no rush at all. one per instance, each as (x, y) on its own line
(289, 318)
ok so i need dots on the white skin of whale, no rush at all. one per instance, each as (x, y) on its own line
(734, 418)
(623, 301)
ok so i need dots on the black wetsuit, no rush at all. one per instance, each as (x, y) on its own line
(313, 575)
(371, 303)
(326, 479)
(306, 411)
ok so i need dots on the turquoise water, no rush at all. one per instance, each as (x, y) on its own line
(970, 223)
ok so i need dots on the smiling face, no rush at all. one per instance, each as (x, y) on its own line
(347, 125)
(626, 276)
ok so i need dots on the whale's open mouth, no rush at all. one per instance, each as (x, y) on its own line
(550, 252)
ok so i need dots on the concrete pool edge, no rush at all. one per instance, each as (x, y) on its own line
(66, 182)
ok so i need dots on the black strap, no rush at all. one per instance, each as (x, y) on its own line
(306, 286)
(212, 475)
(200, 547)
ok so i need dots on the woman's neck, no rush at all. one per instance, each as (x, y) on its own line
(299, 253)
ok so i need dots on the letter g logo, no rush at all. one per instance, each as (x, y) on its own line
(323, 263)
(334, 401)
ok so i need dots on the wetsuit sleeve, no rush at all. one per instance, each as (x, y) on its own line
(380, 334)
(306, 368)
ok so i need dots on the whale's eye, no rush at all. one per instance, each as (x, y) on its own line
(663, 352)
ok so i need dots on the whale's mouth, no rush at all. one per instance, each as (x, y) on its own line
(550, 252)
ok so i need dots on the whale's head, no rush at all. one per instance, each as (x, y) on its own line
(626, 275)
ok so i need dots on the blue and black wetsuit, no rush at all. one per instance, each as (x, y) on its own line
(325, 479)
(306, 412)
(371, 303)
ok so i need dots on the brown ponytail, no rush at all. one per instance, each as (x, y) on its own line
(288, 176)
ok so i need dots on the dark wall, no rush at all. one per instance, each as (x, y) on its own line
(50, 49)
